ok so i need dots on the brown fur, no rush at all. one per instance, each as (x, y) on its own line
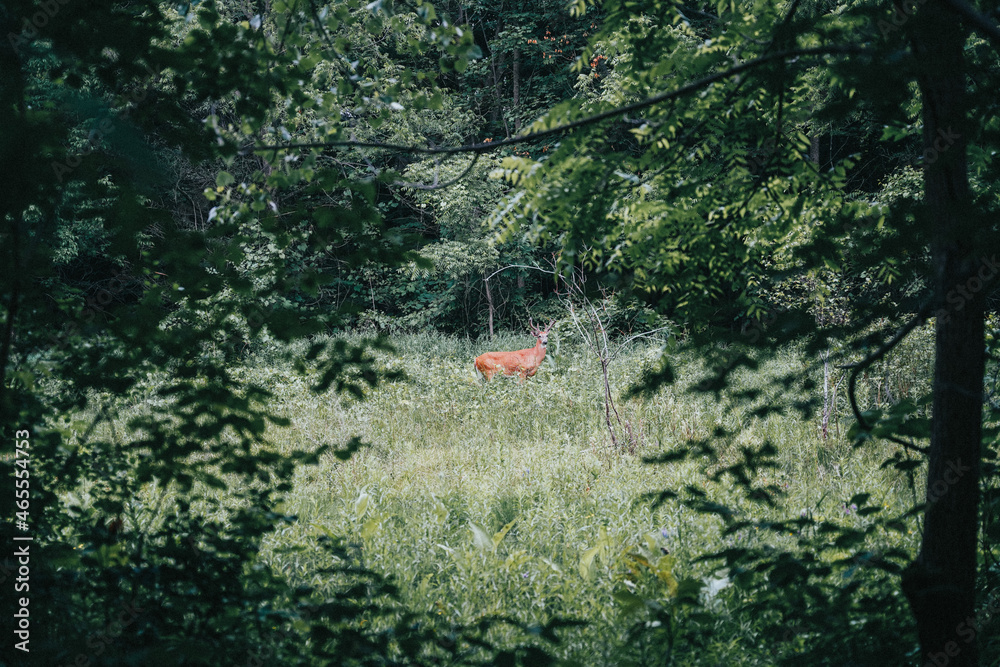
(524, 363)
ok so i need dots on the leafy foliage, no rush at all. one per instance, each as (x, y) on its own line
(203, 182)
(103, 107)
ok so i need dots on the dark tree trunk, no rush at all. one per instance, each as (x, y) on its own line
(940, 584)
(516, 74)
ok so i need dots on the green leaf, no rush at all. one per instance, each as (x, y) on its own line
(480, 539)
(629, 602)
(586, 567)
(370, 527)
(500, 534)
(361, 504)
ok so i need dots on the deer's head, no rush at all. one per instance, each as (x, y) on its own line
(541, 334)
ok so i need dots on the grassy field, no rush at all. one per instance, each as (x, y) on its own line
(507, 499)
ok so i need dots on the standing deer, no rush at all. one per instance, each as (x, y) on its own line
(523, 362)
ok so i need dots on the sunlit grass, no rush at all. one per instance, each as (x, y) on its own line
(453, 461)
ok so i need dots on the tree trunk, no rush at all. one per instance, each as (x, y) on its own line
(516, 75)
(940, 584)
(489, 302)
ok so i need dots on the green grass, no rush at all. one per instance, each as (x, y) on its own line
(452, 461)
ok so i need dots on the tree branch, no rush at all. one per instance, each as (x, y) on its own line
(982, 23)
(644, 334)
(683, 91)
(518, 266)
(887, 347)
(439, 186)
(883, 350)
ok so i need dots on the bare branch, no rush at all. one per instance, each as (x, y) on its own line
(887, 347)
(644, 334)
(883, 350)
(518, 266)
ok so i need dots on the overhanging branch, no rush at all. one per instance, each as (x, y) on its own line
(439, 186)
(883, 350)
(982, 23)
(683, 91)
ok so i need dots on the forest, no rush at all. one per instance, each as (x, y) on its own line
(252, 253)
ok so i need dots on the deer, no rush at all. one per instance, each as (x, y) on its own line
(524, 363)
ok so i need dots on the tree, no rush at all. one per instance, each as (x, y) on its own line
(941, 583)
(689, 169)
(701, 187)
(146, 522)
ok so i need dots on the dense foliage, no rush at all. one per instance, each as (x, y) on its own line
(194, 189)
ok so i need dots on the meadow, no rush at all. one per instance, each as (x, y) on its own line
(506, 500)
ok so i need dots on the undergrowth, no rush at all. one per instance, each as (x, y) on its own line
(504, 499)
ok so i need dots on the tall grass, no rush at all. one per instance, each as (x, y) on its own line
(505, 499)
